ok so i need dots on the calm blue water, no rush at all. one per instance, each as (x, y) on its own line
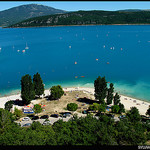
(53, 52)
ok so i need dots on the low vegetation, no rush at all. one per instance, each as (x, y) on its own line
(72, 106)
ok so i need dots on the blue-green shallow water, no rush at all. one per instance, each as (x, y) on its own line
(50, 55)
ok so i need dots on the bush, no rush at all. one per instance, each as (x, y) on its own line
(8, 105)
(37, 108)
(17, 113)
(72, 106)
(56, 92)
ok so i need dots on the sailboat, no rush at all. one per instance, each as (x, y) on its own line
(26, 46)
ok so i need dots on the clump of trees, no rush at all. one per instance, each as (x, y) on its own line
(56, 92)
(77, 131)
(72, 106)
(102, 92)
(29, 89)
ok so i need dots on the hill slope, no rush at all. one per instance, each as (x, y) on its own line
(88, 17)
(17, 14)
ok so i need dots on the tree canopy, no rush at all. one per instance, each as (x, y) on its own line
(100, 85)
(56, 92)
(38, 84)
(27, 89)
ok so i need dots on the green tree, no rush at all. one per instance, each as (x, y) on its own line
(56, 92)
(148, 112)
(102, 108)
(37, 108)
(133, 115)
(9, 105)
(72, 106)
(27, 89)
(38, 84)
(100, 85)
(95, 106)
(116, 99)
(5, 118)
(121, 108)
(115, 108)
(18, 113)
(110, 94)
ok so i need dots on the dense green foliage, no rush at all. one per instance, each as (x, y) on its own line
(56, 92)
(37, 108)
(148, 112)
(72, 106)
(100, 85)
(18, 113)
(8, 105)
(102, 108)
(98, 107)
(115, 109)
(116, 99)
(94, 106)
(77, 131)
(27, 89)
(121, 108)
(133, 115)
(88, 17)
(38, 84)
(110, 94)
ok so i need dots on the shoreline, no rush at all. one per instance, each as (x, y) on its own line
(126, 100)
(73, 25)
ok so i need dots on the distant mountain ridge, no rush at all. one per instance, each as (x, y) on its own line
(23, 12)
(88, 18)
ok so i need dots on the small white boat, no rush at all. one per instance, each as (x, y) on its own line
(18, 50)
(26, 46)
(69, 46)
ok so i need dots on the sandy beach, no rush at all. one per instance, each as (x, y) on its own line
(127, 101)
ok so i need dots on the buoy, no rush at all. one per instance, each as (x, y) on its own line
(82, 76)
(107, 62)
(121, 49)
(75, 62)
(23, 51)
(96, 59)
(104, 46)
(76, 76)
(69, 46)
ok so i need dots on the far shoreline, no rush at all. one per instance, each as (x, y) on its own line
(74, 25)
(67, 87)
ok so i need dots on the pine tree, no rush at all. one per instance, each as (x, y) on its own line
(38, 84)
(110, 94)
(27, 89)
(116, 99)
(100, 85)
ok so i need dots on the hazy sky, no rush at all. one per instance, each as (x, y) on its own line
(81, 5)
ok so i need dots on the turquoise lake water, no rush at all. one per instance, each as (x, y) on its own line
(120, 53)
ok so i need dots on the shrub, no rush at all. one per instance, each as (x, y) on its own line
(8, 105)
(37, 108)
(56, 92)
(17, 113)
(72, 106)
